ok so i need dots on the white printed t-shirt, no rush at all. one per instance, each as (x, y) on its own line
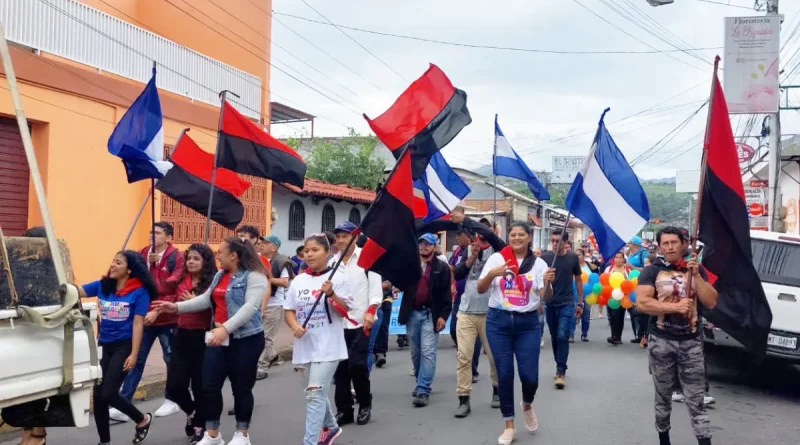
(280, 294)
(324, 341)
(504, 291)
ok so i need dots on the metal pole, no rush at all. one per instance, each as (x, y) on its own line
(30, 155)
(149, 194)
(494, 173)
(774, 154)
(222, 96)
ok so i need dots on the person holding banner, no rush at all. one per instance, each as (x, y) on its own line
(237, 339)
(512, 321)
(319, 345)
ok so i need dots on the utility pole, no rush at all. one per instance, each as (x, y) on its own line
(774, 155)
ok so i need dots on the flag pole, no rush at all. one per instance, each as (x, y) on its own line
(222, 97)
(569, 211)
(449, 211)
(149, 194)
(357, 232)
(494, 173)
(703, 163)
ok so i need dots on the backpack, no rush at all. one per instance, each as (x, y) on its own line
(172, 259)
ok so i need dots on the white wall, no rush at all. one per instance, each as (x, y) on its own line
(282, 199)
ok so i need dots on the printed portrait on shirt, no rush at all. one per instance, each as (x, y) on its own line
(671, 288)
(512, 294)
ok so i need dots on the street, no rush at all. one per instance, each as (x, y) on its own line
(608, 400)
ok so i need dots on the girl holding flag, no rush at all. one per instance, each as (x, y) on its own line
(517, 281)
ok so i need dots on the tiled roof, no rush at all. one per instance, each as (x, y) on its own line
(313, 187)
(487, 205)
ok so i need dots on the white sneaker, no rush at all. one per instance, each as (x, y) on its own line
(167, 408)
(117, 415)
(240, 439)
(531, 422)
(708, 400)
(208, 440)
(508, 436)
(412, 373)
(541, 344)
(678, 397)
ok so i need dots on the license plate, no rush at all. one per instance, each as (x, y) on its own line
(782, 342)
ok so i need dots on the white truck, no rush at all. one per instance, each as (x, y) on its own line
(776, 257)
(47, 342)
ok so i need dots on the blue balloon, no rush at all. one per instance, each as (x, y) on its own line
(587, 289)
(632, 297)
(594, 278)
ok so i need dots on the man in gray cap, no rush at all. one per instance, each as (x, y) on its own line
(272, 314)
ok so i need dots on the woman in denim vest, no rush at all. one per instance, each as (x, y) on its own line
(236, 340)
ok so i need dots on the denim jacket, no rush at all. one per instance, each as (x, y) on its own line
(242, 300)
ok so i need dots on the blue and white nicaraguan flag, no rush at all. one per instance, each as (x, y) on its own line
(138, 138)
(606, 195)
(442, 188)
(508, 163)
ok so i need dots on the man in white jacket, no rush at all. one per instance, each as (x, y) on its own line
(367, 296)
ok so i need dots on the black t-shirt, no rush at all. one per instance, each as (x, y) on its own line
(669, 285)
(567, 267)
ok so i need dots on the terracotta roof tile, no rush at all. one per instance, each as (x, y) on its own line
(486, 205)
(314, 187)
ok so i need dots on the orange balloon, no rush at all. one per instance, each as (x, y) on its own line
(607, 291)
(604, 277)
(626, 303)
(627, 287)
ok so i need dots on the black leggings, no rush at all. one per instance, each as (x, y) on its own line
(185, 370)
(616, 318)
(239, 363)
(107, 393)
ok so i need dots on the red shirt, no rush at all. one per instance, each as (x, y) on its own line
(265, 261)
(218, 296)
(423, 297)
(194, 320)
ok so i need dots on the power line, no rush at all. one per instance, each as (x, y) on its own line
(356, 42)
(663, 141)
(491, 47)
(345, 66)
(725, 4)
(634, 37)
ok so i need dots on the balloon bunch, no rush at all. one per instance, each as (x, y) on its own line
(610, 289)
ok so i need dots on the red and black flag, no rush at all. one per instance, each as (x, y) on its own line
(742, 309)
(189, 183)
(391, 249)
(247, 149)
(427, 116)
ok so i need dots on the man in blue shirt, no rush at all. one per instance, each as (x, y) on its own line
(637, 253)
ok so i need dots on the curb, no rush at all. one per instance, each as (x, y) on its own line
(149, 388)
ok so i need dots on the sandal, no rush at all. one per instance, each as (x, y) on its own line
(40, 436)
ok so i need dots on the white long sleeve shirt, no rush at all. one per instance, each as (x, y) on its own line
(365, 287)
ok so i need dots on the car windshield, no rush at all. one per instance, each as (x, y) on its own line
(777, 262)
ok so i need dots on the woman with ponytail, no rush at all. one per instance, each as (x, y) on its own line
(237, 339)
(517, 281)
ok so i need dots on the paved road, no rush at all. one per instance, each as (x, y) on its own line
(608, 400)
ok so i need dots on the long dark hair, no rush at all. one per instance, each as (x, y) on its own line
(138, 268)
(209, 267)
(248, 257)
(530, 259)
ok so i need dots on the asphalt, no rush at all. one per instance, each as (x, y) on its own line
(608, 400)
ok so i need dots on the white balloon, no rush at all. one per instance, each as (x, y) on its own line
(617, 294)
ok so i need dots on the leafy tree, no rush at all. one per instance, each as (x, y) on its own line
(348, 160)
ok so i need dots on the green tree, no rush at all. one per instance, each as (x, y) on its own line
(348, 160)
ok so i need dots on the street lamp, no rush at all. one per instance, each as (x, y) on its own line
(660, 2)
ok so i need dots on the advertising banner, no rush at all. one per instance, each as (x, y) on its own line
(755, 195)
(752, 45)
(396, 328)
(565, 168)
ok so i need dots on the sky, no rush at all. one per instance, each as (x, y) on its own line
(548, 104)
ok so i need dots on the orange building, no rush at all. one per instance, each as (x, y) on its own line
(79, 66)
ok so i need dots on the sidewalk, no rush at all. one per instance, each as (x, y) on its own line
(155, 371)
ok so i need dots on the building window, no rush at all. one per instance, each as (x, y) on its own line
(355, 216)
(328, 218)
(297, 221)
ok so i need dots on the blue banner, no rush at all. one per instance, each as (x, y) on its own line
(396, 328)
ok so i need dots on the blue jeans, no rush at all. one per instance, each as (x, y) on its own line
(561, 321)
(373, 336)
(587, 315)
(510, 335)
(422, 341)
(149, 335)
(318, 405)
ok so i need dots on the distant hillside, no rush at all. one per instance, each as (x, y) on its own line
(658, 181)
(485, 170)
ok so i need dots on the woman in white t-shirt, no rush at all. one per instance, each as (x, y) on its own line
(517, 280)
(320, 345)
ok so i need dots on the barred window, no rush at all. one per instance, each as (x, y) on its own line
(328, 218)
(297, 221)
(355, 216)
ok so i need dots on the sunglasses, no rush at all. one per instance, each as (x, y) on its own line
(316, 237)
